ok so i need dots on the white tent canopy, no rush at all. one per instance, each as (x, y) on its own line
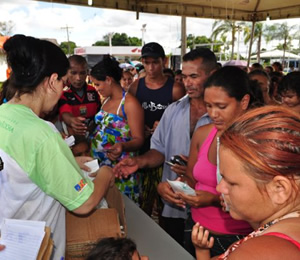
(242, 10)
(277, 54)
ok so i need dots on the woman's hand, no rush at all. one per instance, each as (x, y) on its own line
(2, 247)
(202, 199)
(166, 192)
(81, 160)
(115, 151)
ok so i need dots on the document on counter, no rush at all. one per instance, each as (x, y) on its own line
(178, 186)
(22, 239)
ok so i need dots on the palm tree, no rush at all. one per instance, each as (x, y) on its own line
(257, 37)
(221, 27)
(283, 32)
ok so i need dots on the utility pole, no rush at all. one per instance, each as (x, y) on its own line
(110, 35)
(67, 29)
(143, 33)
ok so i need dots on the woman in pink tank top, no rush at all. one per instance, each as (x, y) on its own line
(226, 95)
(260, 167)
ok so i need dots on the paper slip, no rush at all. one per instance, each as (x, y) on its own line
(70, 140)
(179, 186)
(93, 165)
(22, 239)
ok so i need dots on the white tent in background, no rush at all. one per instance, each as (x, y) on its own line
(277, 54)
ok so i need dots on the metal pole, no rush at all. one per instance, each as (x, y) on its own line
(143, 33)
(238, 44)
(183, 35)
(67, 29)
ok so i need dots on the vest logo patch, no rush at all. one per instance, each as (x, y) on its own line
(80, 186)
(90, 96)
(152, 106)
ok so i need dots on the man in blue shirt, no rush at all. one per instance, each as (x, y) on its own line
(173, 135)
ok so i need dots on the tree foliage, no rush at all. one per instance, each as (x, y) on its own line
(283, 33)
(119, 39)
(65, 47)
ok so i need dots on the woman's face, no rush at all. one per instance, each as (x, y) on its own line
(126, 80)
(241, 193)
(221, 108)
(103, 87)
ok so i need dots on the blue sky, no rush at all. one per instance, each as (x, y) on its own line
(44, 20)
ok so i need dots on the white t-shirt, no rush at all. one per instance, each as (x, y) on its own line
(39, 175)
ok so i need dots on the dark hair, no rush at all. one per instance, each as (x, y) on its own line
(108, 66)
(267, 140)
(255, 87)
(178, 72)
(31, 61)
(290, 82)
(209, 59)
(78, 59)
(260, 73)
(169, 71)
(270, 68)
(6, 93)
(257, 66)
(233, 80)
(278, 64)
(113, 249)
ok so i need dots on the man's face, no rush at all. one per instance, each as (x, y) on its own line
(153, 66)
(77, 74)
(194, 77)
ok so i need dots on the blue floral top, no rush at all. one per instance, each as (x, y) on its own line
(111, 129)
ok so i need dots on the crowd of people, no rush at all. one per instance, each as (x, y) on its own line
(237, 134)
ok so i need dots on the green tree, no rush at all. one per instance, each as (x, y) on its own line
(101, 43)
(119, 39)
(6, 28)
(134, 41)
(66, 45)
(221, 27)
(283, 32)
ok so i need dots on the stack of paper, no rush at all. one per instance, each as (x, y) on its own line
(179, 186)
(94, 166)
(70, 140)
(22, 239)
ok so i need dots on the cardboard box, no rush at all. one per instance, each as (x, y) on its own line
(46, 248)
(83, 232)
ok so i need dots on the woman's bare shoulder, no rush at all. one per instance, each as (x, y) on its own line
(266, 247)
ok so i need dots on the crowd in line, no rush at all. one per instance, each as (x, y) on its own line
(237, 133)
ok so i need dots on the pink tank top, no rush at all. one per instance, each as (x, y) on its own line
(213, 218)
